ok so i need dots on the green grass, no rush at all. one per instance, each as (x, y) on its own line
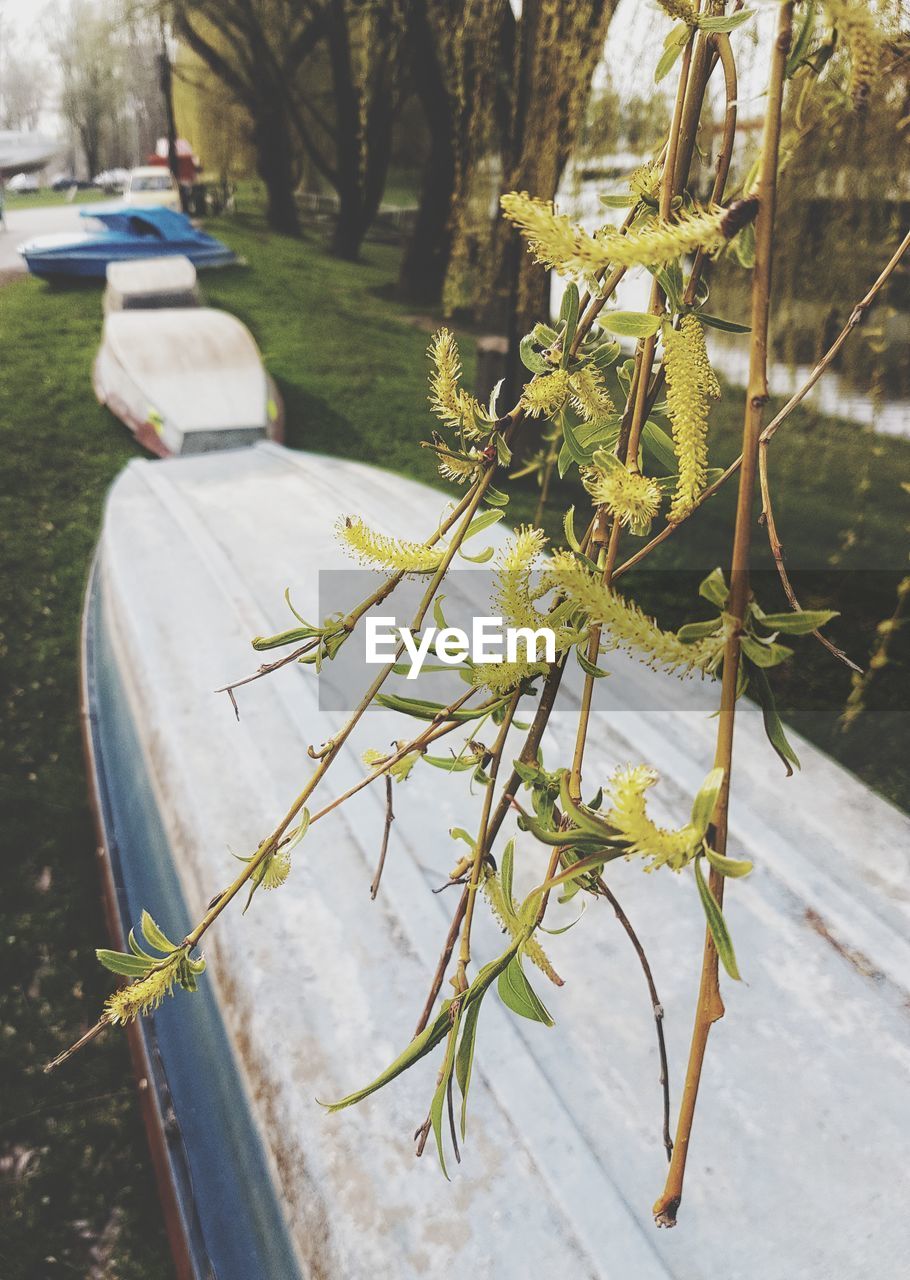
(353, 375)
(44, 198)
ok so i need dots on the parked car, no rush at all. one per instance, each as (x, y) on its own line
(24, 183)
(152, 185)
(64, 181)
(112, 180)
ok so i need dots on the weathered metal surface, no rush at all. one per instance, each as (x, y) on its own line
(797, 1166)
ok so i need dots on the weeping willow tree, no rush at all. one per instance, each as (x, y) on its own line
(644, 459)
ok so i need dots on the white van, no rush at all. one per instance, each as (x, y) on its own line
(152, 185)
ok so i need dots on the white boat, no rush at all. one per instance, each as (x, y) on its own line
(186, 380)
(797, 1165)
(149, 283)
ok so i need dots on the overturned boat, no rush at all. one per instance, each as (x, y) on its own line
(186, 380)
(150, 283)
(125, 235)
(316, 989)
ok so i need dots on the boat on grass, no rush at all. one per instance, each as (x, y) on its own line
(147, 283)
(186, 380)
(798, 1152)
(125, 235)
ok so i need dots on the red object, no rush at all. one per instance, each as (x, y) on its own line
(188, 166)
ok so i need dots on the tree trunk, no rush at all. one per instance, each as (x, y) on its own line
(426, 257)
(275, 166)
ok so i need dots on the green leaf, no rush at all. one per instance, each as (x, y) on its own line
(464, 1060)
(419, 1047)
(482, 521)
(714, 588)
(732, 867)
(765, 655)
(154, 936)
(450, 764)
(544, 335)
(568, 313)
(588, 667)
(440, 1097)
(583, 819)
(692, 631)
(630, 324)
(798, 622)
(568, 524)
(130, 966)
(667, 60)
(773, 727)
(531, 357)
(481, 558)
(728, 22)
(605, 354)
(505, 872)
(577, 450)
(660, 445)
(801, 44)
(728, 326)
(517, 994)
(706, 801)
(616, 202)
(717, 924)
(495, 497)
(423, 710)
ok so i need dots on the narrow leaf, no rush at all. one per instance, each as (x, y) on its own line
(717, 924)
(773, 726)
(630, 324)
(733, 867)
(517, 994)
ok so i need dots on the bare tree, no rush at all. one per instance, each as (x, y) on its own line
(83, 43)
(23, 85)
(257, 48)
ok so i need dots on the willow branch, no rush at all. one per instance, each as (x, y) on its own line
(710, 1004)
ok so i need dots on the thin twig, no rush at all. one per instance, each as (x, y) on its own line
(777, 551)
(389, 819)
(656, 1005)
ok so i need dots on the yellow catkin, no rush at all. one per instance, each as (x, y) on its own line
(143, 995)
(459, 470)
(495, 895)
(634, 498)
(383, 552)
(589, 393)
(857, 27)
(513, 600)
(625, 626)
(691, 385)
(560, 244)
(680, 11)
(627, 812)
(448, 399)
(542, 396)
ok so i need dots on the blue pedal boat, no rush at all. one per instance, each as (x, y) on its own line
(125, 236)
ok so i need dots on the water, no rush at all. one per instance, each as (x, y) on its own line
(833, 395)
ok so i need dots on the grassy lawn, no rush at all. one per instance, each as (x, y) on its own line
(44, 198)
(353, 375)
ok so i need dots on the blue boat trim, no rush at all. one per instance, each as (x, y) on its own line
(127, 234)
(231, 1220)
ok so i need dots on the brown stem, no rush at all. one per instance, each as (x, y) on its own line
(656, 1005)
(710, 1004)
(389, 819)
